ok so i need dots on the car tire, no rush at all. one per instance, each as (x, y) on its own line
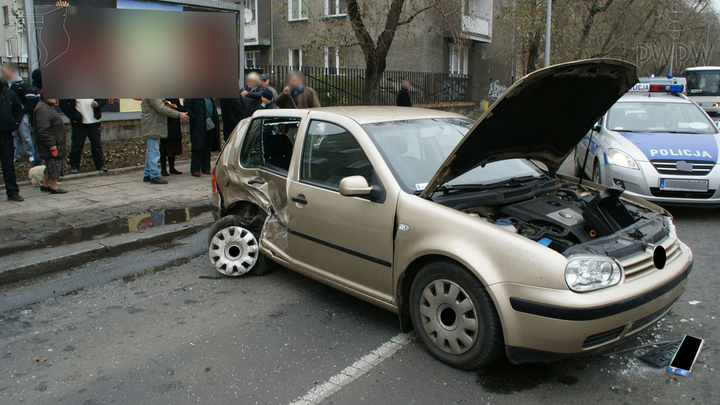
(458, 325)
(596, 175)
(234, 226)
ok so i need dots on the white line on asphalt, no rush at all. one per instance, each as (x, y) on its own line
(350, 374)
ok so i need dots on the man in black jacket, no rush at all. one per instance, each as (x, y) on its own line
(233, 111)
(11, 115)
(19, 87)
(403, 96)
(84, 116)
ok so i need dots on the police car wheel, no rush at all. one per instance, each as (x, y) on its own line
(577, 169)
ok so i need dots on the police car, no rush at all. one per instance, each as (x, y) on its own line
(657, 144)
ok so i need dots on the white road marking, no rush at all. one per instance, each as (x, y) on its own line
(353, 372)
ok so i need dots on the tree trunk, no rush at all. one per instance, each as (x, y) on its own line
(373, 79)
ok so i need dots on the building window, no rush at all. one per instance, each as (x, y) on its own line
(295, 59)
(6, 15)
(8, 48)
(252, 59)
(458, 60)
(335, 8)
(250, 5)
(334, 60)
(298, 10)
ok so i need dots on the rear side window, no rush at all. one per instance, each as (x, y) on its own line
(330, 154)
(268, 143)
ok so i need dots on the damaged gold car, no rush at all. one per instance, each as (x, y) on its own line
(461, 228)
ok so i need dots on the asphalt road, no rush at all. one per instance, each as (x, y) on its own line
(160, 326)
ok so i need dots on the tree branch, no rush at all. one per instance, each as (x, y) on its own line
(411, 17)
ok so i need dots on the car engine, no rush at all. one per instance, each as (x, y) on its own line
(573, 219)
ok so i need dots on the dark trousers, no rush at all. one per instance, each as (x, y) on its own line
(200, 159)
(80, 132)
(7, 152)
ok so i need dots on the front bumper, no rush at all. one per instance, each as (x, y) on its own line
(542, 324)
(644, 183)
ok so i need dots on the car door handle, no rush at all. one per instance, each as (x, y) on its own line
(255, 181)
(298, 200)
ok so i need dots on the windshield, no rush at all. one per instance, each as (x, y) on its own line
(703, 82)
(415, 149)
(659, 117)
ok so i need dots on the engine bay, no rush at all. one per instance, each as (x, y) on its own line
(573, 219)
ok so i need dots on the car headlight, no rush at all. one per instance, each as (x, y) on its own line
(587, 273)
(617, 158)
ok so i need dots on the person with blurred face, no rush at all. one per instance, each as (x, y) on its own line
(18, 86)
(251, 92)
(296, 94)
(403, 96)
(50, 135)
(11, 114)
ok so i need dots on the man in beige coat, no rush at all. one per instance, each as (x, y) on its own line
(153, 125)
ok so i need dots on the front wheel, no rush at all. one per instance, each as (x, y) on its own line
(596, 176)
(234, 249)
(454, 316)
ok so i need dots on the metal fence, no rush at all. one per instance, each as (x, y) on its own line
(345, 86)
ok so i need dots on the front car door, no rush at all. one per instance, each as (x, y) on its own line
(345, 240)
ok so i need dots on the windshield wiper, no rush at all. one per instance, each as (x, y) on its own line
(511, 182)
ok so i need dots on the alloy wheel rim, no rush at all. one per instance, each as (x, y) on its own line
(449, 317)
(233, 251)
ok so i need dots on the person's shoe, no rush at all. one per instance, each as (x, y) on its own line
(16, 198)
(31, 159)
(146, 179)
(158, 180)
(58, 191)
(103, 169)
(207, 172)
(196, 174)
(46, 189)
(74, 170)
(164, 173)
(173, 171)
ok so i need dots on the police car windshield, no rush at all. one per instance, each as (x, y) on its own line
(415, 149)
(655, 117)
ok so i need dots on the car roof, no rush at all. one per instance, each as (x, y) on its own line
(703, 68)
(370, 114)
(653, 98)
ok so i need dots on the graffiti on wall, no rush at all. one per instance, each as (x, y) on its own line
(496, 90)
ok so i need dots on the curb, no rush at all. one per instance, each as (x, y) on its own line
(108, 227)
(102, 249)
(96, 173)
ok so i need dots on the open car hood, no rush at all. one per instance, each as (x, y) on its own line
(541, 117)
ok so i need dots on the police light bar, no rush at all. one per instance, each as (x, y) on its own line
(666, 88)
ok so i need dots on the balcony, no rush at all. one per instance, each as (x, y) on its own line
(477, 20)
(257, 20)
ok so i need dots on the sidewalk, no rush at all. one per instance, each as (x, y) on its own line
(97, 207)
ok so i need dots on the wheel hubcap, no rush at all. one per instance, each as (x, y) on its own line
(449, 317)
(233, 251)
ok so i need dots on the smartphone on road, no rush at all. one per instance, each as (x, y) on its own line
(686, 356)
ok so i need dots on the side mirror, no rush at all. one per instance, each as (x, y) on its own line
(597, 127)
(354, 186)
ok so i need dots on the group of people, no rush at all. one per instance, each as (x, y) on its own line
(161, 122)
(30, 120)
(25, 111)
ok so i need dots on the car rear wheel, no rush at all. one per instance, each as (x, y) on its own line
(454, 316)
(234, 249)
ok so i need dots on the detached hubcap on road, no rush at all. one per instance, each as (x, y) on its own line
(233, 251)
(449, 317)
